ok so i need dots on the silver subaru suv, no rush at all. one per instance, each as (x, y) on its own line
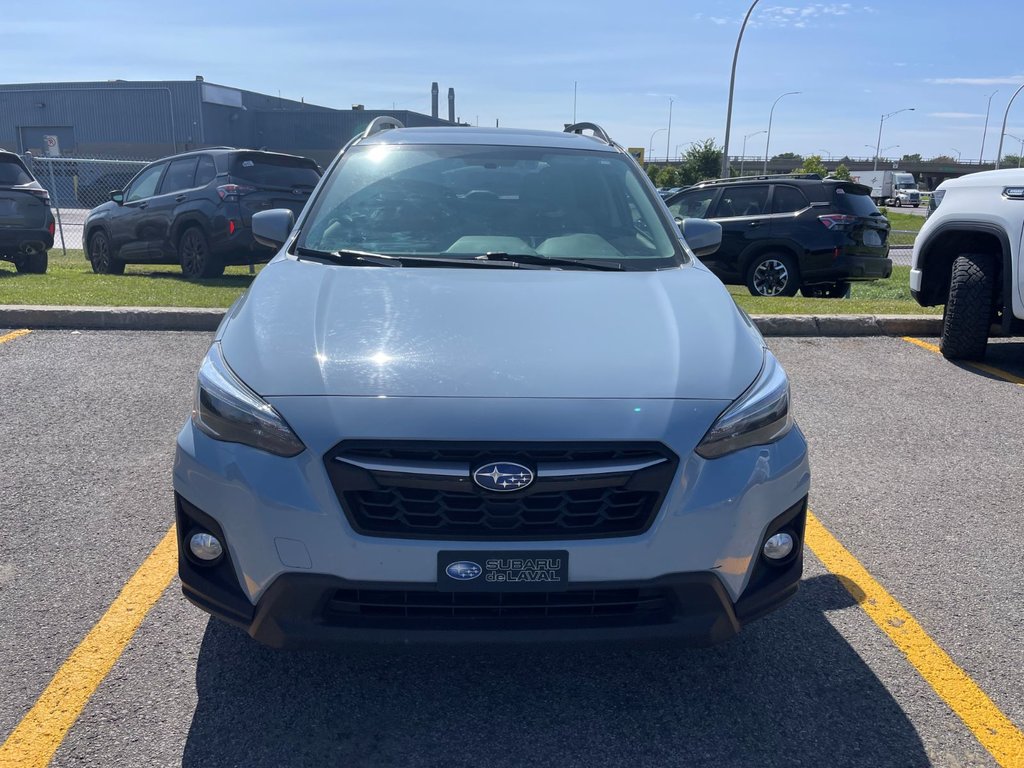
(487, 392)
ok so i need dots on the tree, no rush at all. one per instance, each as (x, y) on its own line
(1010, 161)
(813, 164)
(942, 159)
(787, 156)
(652, 172)
(842, 172)
(703, 160)
(914, 158)
(668, 176)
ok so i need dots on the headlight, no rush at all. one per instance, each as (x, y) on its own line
(227, 410)
(760, 415)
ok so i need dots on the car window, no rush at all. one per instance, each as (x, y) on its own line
(742, 201)
(852, 199)
(12, 173)
(693, 205)
(206, 171)
(275, 171)
(788, 200)
(145, 184)
(179, 176)
(465, 201)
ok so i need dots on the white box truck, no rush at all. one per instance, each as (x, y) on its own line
(890, 187)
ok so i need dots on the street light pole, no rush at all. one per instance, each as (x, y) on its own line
(827, 153)
(984, 132)
(1002, 132)
(668, 136)
(768, 138)
(732, 87)
(655, 133)
(878, 143)
(1018, 138)
(743, 153)
(957, 153)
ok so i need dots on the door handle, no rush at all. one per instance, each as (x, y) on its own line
(754, 224)
(143, 205)
(181, 198)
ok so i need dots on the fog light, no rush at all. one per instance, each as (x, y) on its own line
(205, 546)
(778, 547)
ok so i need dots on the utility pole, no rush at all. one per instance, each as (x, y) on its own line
(732, 88)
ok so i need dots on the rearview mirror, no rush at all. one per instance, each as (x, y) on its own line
(703, 236)
(117, 196)
(271, 228)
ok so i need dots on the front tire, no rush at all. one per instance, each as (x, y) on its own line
(773, 274)
(101, 256)
(32, 263)
(968, 313)
(197, 262)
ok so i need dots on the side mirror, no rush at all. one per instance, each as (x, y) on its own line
(117, 195)
(703, 236)
(271, 228)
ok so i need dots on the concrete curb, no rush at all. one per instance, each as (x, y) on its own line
(186, 319)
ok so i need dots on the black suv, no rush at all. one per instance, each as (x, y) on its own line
(791, 232)
(26, 220)
(195, 209)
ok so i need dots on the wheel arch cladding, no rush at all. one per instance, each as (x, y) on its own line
(953, 239)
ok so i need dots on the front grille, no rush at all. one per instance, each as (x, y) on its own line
(505, 610)
(569, 502)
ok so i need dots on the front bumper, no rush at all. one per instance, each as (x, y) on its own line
(303, 610)
(287, 534)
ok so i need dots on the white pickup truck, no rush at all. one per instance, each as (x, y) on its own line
(968, 257)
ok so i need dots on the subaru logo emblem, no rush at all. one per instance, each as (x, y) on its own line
(463, 570)
(503, 476)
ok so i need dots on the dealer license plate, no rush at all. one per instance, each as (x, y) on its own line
(503, 571)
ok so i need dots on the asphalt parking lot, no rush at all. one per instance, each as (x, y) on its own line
(916, 472)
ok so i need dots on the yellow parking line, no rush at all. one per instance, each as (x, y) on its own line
(14, 335)
(995, 731)
(33, 742)
(989, 369)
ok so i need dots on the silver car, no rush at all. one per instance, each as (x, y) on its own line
(487, 392)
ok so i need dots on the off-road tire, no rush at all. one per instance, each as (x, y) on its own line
(194, 255)
(102, 257)
(968, 313)
(758, 281)
(32, 263)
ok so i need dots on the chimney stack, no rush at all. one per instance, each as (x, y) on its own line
(433, 99)
(451, 105)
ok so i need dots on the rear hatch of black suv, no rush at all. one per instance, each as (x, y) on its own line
(855, 216)
(266, 180)
(24, 205)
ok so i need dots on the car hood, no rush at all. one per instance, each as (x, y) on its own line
(306, 328)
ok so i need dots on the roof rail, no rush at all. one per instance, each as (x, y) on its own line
(764, 177)
(599, 132)
(382, 123)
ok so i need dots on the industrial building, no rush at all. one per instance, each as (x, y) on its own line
(151, 119)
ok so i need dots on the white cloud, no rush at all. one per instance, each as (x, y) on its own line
(1005, 80)
(803, 16)
(955, 115)
(719, 20)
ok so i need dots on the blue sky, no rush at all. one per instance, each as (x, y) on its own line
(517, 62)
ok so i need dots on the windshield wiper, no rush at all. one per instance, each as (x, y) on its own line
(350, 258)
(530, 258)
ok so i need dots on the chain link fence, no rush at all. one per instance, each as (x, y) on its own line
(77, 185)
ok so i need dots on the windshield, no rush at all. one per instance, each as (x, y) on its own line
(12, 173)
(268, 170)
(466, 201)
